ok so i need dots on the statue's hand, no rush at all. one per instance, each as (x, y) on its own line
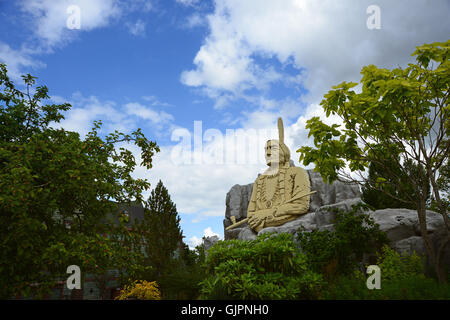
(260, 219)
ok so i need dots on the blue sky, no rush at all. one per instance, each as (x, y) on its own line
(161, 65)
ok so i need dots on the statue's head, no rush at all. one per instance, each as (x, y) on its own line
(276, 152)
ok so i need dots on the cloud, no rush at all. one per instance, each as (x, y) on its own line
(52, 26)
(328, 40)
(188, 2)
(48, 22)
(49, 18)
(196, 241)
(137, 29)
(85, 110)
(17, 59)
(209, 233)
(147, 113)
(154, 101)
(195, 20)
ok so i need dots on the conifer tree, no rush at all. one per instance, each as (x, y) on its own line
(160, 229)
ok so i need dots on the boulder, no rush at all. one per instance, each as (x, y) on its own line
(401, 224)
(237, 201)
(410, 245)
(328, 194)
(208, 242)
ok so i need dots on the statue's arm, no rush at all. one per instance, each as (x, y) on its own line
(301, 205)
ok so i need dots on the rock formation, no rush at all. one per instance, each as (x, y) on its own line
(400, 225)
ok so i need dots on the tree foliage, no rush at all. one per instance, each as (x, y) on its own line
(387, 194)
(160, 229)
(270, 267)
(140, 290)
(56, 189)
(400, 116)
(340, 251)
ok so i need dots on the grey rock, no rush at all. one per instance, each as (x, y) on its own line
(329, 193)
(410, 245)
(404, 223)
(237, 201)
(208, 242)
(306, 221)
(232, 233)
(329, 227)
(325, 215)
(439, 237)
(246, 233)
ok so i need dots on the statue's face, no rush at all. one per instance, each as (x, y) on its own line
(273, 152)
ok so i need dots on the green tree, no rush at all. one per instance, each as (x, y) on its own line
(401, 115)
(388, 194)
(443, 183)
(56, 190)
(161, 230)
(340, 251)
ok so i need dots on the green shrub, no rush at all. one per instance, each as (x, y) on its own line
(402, 278)
(270, 267)
(411, 287)
(395, 266)
(339, 252)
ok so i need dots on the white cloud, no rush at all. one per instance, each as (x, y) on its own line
(328, 38)
(49, 21)
(18, 59)
(137, 28)
(154, 101)
(86, 110)
(195, 20)
(196, 241)
(326, 41)
(147, 113)
(209, 233)
(50, 17)
(188, 2)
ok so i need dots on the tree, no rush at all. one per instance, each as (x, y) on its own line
(56, 190)
(160, 229)
(379, 195)
(400, 115)
(443, 183)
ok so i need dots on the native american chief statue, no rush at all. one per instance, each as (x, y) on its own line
(282, 192)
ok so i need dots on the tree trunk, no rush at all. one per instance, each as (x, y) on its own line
(439, 202)
(442, 275)
(434, 259)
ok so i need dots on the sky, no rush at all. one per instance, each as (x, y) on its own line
(206, 79)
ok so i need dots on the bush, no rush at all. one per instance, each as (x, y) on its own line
(395, 266)
(140, 290)
(181, 283)
(339, 252)
(402, 278)
(270, 267)
(412, 287)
